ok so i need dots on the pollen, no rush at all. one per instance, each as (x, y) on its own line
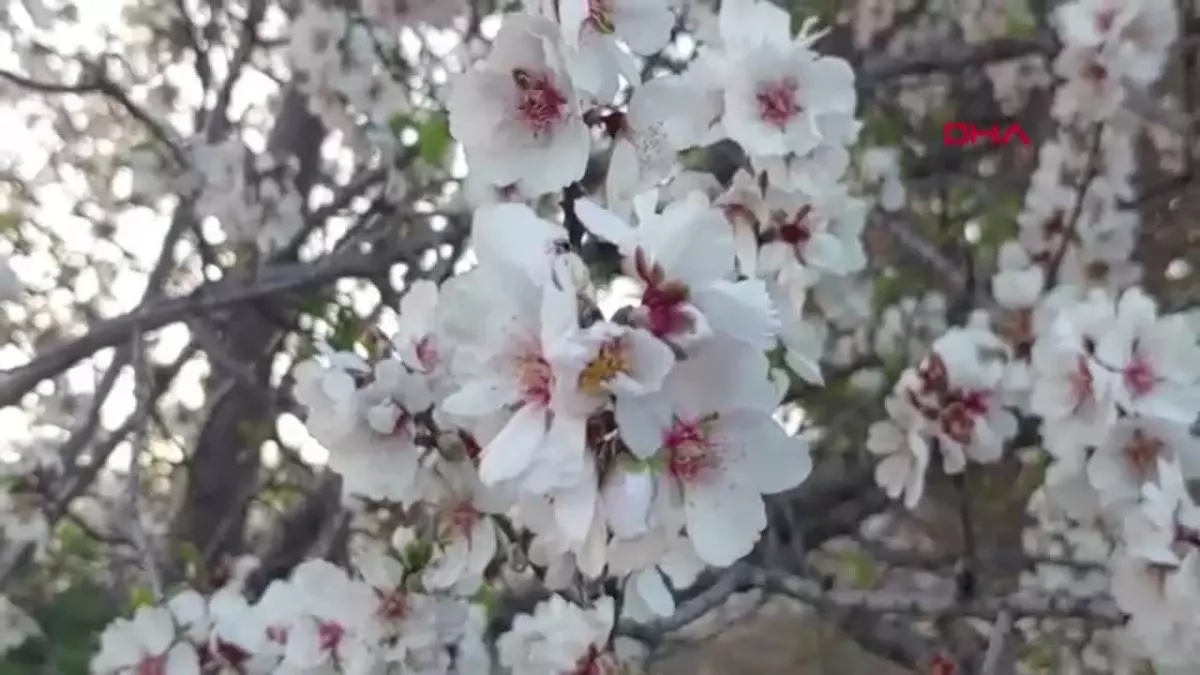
(691, 455)
(540, 104)
(777, 102)
(612, 359)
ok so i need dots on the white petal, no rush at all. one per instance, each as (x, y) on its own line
(478, 398)
(642, 422)
(183, 660)
(653, 591)
(741, 309)
(605, 224)
(513, 449)
(773, 460)
(575, 508)
(724, 520)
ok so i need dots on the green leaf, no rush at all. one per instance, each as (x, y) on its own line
(434, 142)
(191, 556)
(881, 129)
(73, 620)
(486, 597)
(651, 465)
(282, 496)
(346, 330)
(141, 596)
(862, 569)
(9, 221)
(417, 555)
(1019, 22)
(313, 305)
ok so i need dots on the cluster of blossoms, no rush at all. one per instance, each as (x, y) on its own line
(521, 413)
(634, 444)
(1076, 350)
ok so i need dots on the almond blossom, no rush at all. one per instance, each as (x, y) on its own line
(517, 114)
(683, 259)
(147, 643)
(781, 97)
(717, 453)
(505, 424)
(467, 537)
(371, 430)
(510, 367)
(1158, 360)
(559, 637)
(809, 232)
(591, 30)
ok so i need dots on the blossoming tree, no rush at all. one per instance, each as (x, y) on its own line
(426, 337)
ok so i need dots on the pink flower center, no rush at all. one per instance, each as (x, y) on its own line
(223, 654)
(470, 445)
(541, 104)
(663, 300)
(392, 606)
(664, 307)
(1096, 72)
(960, 412)
(461, 519)
(277, 634)
(737, 213)
(595, 662)
(427, 353)
(152, 665)
(794, 230)
(777, 102)
(329, 635)
(691, 455)
(1139, 376)
(1081, 381)
(1141, 453)
(535, 378)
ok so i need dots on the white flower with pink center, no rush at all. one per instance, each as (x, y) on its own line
(337, 623)
(781, 97)
(683, 259)
(516, 113)
(710, 435)
(1156, 360)
(506, 369)
(593, 31)
(145, 645)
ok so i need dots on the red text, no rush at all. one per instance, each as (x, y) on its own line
(966, 133)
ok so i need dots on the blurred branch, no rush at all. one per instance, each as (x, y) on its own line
(95, 80)
(956, 58)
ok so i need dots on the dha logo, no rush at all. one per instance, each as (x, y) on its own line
(966, 133)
